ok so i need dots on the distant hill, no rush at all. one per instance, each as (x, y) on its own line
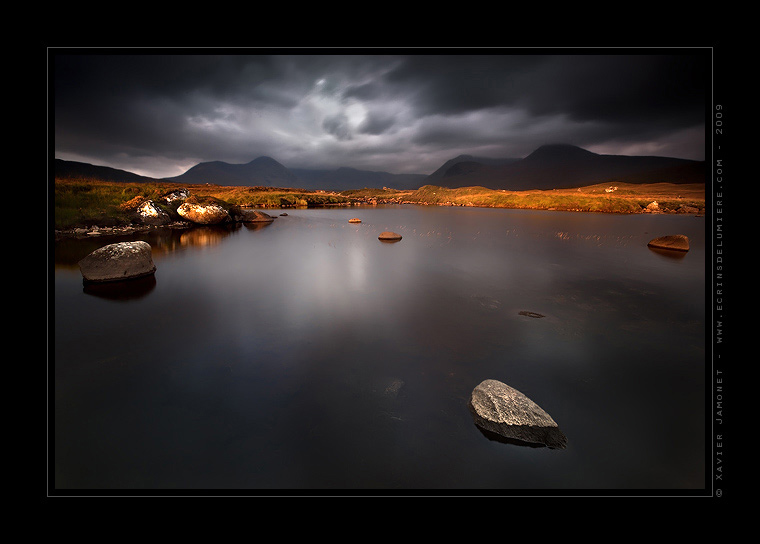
(559, 166)
(263, 171)
(463, 165)
(82, 170)
(344, 178)
(556, 166)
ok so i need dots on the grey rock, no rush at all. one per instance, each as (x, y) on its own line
(506, 412)
(117, 262)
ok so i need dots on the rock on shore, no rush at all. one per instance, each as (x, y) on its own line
(117, 262)
(505, 411)
(150, 214)
(203, 213)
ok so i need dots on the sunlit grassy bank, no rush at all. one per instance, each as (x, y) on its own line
(620, 198)
(87, 202)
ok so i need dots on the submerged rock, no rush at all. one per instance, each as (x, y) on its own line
(389, 236)
(677, 242)
(531, 314)
(506, 412)
(116, 262)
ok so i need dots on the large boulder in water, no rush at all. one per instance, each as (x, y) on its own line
(203, 213)
(116, 262)
(676, 242)
(506, 412)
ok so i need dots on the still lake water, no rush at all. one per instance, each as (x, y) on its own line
(308, 355)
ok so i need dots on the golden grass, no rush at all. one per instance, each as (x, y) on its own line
(82, 201)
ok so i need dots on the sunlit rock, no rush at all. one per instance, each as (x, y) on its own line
(116, 262)
(388, 236)
(354, 220)
(676, 242)
(148, 213)
(174, 196)
(506, 412)
(203, 213)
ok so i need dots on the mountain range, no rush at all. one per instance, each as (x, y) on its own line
(553, 166)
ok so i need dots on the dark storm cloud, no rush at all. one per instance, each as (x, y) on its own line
(376, 123)
(338, 126)
(389, 112)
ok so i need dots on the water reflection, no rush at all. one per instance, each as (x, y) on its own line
(306, 354)
(206, 236)
(132, 289)
(541, 437)
(668, 253)
(258, 225)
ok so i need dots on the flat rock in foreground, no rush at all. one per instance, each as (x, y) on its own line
(505, 411)
(116, 262)
(677, 242)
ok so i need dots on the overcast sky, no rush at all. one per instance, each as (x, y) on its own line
(158, 114)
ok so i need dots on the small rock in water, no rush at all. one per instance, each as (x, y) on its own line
(255, 216)
(530, 314)
(677, 242)
(354, 220)
(116, 262)
(394, 387)
(508, 413)
(389, 236)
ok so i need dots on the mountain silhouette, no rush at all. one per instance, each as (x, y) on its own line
(82, 170)
(467, 165)
(263, 171)
(345, 178)
(558, 166)
(553, 166)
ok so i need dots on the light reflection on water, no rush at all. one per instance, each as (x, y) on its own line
(307, 354)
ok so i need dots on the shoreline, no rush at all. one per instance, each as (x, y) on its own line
(86, 208)
(95, 230)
